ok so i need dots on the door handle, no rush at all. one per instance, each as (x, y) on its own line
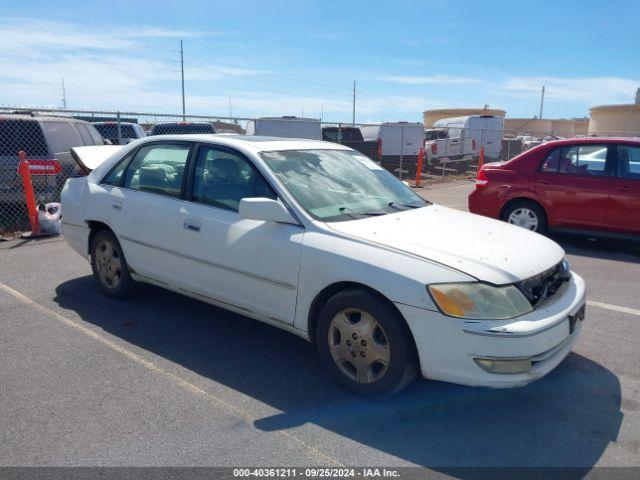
(191, 225)
(116, 206)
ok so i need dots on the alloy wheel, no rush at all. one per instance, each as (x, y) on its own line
(524, 217)
(359, 346)
(108, 263)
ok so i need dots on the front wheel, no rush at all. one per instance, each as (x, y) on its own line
(365, 344)
(526, 214)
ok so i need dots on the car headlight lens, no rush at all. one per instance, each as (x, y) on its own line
(479, 301)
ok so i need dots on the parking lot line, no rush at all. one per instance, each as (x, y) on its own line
(175, 379)
(615, 308)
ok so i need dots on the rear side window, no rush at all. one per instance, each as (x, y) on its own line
(550, 163)
(61, 136)
(110, 131)
(114, 177)
(590, 160)
(629, 162)
(16, 135)
(158, 169)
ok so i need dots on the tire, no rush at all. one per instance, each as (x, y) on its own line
(380, 334)
(523, 211)
(109, 266)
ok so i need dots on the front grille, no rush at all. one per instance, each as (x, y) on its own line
(542, 288)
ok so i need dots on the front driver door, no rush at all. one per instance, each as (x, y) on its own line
(249, 264)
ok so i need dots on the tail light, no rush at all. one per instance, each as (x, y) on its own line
(481, 178)
(379, 149)
(434, 148)
(473, 144)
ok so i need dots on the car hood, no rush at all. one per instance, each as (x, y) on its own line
(487, 249)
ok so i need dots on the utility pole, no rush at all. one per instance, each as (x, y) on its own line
(541, 101)
(230, 110)
(182, 77)
(64, 95)
(353, 113)
(322, 112)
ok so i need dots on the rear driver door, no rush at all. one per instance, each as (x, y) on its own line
(573, 183)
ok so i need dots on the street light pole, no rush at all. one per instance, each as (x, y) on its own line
(182, 77)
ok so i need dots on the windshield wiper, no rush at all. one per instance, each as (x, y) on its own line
(405, 205)
(352, 214)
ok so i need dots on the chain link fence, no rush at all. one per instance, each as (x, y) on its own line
(447, 153)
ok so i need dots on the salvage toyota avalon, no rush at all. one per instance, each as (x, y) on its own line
(317, 239)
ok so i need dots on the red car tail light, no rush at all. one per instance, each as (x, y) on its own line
(481, 179)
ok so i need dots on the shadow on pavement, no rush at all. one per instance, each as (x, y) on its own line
(602, 248)
(566, 419)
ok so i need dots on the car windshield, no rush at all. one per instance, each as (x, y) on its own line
(335, 185)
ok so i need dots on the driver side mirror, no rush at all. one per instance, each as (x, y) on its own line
(265, 209)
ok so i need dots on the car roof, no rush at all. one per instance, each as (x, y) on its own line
(592, 140)
(186, 122)
(48, 118)
(256, 143)
(114, 122)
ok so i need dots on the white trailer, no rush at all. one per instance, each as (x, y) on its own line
(287, 126)
(474, 132)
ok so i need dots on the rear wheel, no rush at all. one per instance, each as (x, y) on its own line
(109, 265)
(526, 214)
(364, 344)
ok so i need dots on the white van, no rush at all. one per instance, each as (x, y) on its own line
(399, 144)
(474, 132)
(287, 126)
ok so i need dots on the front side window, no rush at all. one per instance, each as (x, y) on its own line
(629, 162)
(340, 184)
(223, 177)
(158, 169)
(588, 160)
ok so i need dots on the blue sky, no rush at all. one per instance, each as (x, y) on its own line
(289, 57)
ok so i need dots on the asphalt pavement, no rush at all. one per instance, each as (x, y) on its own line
(164, 380)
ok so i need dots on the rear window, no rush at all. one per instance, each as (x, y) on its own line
(180, 128)
(435, 134)
(89, 134)
(335, 134)
(16, 135)
(110, 130)
(61, 136)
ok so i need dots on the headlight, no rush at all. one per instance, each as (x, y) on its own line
(479, 301)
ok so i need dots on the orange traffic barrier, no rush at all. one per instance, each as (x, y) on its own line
(419, 167)
(32, 209)
(481, 158)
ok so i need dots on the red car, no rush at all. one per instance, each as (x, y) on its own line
(578, 184)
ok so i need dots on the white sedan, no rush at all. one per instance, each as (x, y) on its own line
(315, 238)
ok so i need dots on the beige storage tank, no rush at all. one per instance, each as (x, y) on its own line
(432, 116)
(623, 120)
(538, 127)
